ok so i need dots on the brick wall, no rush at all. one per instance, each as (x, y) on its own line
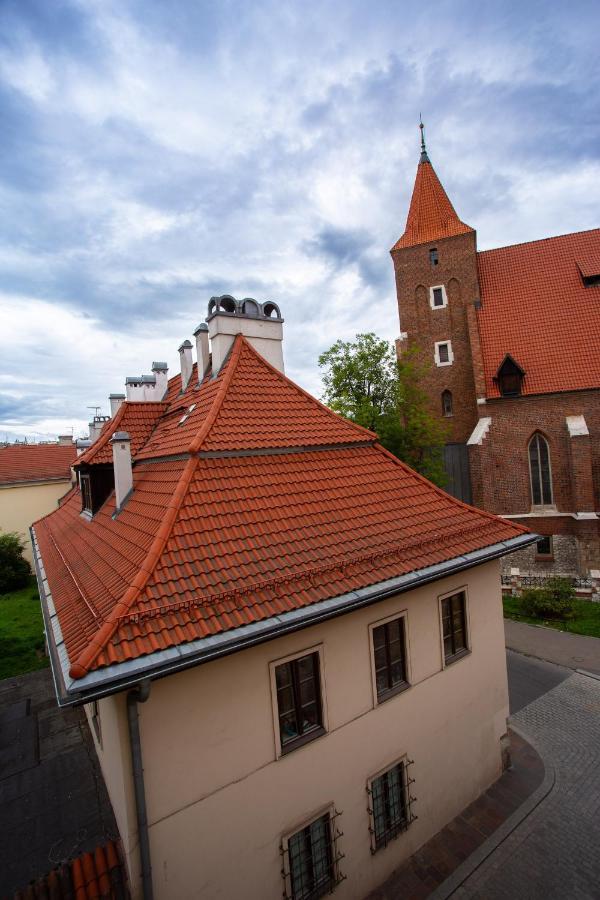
(457, 271)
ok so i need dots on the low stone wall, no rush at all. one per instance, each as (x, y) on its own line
(586, 588)
(565, 558)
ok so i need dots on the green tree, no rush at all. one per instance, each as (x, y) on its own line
(14, 568)
(366, 383)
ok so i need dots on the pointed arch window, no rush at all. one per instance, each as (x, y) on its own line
(540, 472)
(447, 403)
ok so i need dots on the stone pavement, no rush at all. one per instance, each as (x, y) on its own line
(554, 853)
(53, 803)
(576, 651)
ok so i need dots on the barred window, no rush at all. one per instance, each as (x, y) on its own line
(539, 468)
(299, 701)
(454, 626)
(390, 807)
(310, 859)
(389, 652)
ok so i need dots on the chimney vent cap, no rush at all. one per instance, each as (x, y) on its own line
(201, 327)
(120, 436)
(116, 396)
(83, 443)
(160, 367)
(187, 345)
(148, 379)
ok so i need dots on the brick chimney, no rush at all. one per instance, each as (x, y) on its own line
(185, 356)
(121, 447)
(260, 323)
(202, 349)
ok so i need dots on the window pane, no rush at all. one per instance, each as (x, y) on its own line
(534, 460)
(443, 352)
(397, 673)
(438, 299)
(310, 859)
(288, 727)
(283, 675)
(379, 636)
(545, 471)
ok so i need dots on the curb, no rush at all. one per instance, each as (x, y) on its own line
(478, 857)
(588, 674)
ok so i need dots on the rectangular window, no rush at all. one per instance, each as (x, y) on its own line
(454, 626)
(433, 256)
(438, 297)
(310, 859)
(543, 547)
(299, 706)
(443, 353)
(389, 653)
(86, 493)
(390, 804)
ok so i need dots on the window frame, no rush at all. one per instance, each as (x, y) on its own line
(436, 353)
(466, 650)
(85, 478)
(302, 740)
(396, 829)
(334, 853)
(384, 696)
(432, 303)
(434, 257)
(537, 435)
(540, 554)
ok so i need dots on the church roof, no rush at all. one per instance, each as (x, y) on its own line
(260, 504)
(431, 215)
(537, 307)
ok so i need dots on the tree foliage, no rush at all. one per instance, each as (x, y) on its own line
(365, 382)
(14, 568)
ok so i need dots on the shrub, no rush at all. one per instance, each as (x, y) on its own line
(14, 568)
(554, 601)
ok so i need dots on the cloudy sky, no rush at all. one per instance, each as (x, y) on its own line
(155, 153)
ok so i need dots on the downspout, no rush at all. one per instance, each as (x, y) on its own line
(139, 694)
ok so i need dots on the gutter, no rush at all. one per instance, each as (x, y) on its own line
(122, 676)
(139, 694)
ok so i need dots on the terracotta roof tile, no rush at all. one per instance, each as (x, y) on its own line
(431, 215)
(536, 307)
(98, 875)
(137, 418)
(36, 462)
(277, 503)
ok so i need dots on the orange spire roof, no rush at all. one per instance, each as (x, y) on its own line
(431, 215)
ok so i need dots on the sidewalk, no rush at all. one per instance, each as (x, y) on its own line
(575, 651)
(468, 835)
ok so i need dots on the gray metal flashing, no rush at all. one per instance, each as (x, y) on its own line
(281, 451)
(172, 457)
(118, 677)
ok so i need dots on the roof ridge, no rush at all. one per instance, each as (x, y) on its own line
(543, 240)
(211, 417)
(83, 663)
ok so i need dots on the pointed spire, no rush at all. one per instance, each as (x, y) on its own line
(431, 215)
(424, 157)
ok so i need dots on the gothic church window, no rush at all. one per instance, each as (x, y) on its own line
(540, 473)
(447, 403)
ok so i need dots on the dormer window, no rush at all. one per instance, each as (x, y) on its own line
(438, 298)
(96, 483)
(433, 256)
(510, 377)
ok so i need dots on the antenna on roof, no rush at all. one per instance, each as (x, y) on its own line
(95, 408)
(424, 157)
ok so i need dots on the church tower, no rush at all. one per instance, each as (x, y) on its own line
(435, 263)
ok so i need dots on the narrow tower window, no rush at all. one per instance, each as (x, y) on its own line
(433, 256)
(447, 403)
(539, 469)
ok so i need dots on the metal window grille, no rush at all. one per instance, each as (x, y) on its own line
(454, 625)
(390, 805)
(310, 860)
(389, 649)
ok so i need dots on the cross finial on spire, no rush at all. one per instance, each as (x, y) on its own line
(424, 157)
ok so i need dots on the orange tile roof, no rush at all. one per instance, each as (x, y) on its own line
(431, 215)
(92, 876)
(137, 418)
(276, 503)
(536, 307)
(36, 462)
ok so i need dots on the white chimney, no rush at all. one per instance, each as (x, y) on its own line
(260, 323)
(161, 373)
(121, 447)
(202, 349)
(115, 401)
(65, 440)
(185, 356)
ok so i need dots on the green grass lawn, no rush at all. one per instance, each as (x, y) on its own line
(21, 632)
(586, 618)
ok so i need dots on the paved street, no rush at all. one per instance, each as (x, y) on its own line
(53, 803)
(530, 678)
(575, 651)
(554, 853)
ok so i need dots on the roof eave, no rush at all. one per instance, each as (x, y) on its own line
(118, 677)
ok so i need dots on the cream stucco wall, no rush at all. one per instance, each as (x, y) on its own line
(218, 797)
(21, 505)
